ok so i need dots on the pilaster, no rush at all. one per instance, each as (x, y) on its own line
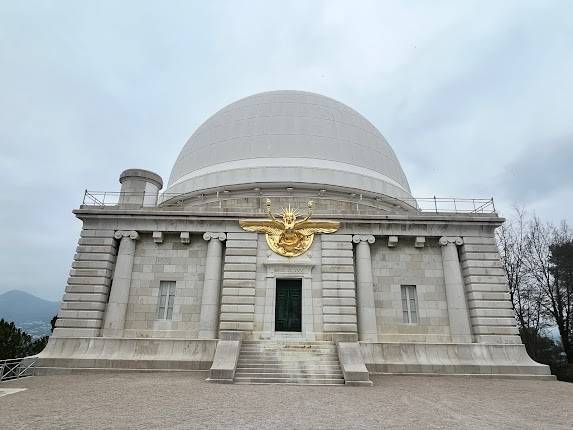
(209, 319)
(460, 329)
(119, 295)
(367, 328)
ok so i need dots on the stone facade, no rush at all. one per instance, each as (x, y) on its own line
(405, 264)
(173, 282)
(169, 260)
(351, 281)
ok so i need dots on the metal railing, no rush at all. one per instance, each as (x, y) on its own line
(17, 368)
(452, 205)
(179, 201)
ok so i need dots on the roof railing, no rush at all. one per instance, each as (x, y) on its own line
(424, 204)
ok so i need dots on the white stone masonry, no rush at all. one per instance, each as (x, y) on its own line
(338, 287)
(239, 279)
(491, 313)
(83, 305)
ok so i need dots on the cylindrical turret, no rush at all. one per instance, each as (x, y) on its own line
(139, 188)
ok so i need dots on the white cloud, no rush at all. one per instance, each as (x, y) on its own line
(462, 91)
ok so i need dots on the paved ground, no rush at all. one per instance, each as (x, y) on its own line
(186, 401)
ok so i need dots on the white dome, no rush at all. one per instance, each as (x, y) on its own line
(289, 138)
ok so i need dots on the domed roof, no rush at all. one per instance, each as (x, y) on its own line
(290, 138)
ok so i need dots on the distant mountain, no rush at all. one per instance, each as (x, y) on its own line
(28, 312)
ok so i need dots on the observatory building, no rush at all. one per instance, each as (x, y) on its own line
(286, 247)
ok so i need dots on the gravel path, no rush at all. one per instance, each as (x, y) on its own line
(186, 401)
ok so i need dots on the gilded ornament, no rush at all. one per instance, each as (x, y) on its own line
(286, 234)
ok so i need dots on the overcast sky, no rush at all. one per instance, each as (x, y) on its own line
(474, 97)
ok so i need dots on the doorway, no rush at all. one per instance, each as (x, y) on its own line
(288, 306)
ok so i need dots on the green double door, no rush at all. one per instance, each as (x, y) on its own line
(288, 307)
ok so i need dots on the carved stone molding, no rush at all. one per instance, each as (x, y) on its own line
(357, 238)
(444, 240)
(210, 235)
(132, 234)
(185, 237)
(158, 236)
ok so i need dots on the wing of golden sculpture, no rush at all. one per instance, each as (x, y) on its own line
(287, 235)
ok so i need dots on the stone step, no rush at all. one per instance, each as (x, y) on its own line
(288, 342)
(243, 361)
(280, 348)
(292, 361)
(297, 375)
(289, 345)
(281, 368)
(287, 380)
(287, 354)
(291, 353)
(288, 362)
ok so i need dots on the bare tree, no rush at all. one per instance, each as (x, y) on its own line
(548, 262)
(561, 309)
(537, 258)
(513, 242)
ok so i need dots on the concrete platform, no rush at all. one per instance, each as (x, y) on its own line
(465, 359)
(186, 400)
(71, 355)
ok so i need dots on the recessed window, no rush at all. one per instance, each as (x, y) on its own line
(409, 305)
(166, 299)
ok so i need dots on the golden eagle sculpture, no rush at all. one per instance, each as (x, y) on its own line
(287, 235)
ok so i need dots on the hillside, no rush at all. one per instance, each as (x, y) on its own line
(28, 312)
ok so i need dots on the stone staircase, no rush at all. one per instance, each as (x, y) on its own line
(288, 362)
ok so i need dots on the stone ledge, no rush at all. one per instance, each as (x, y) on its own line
(479, 240)
(97, 233)
(83, 306)
(84, 297)
(107, 265)
(90, 241)
(92, 289)
(450, 359)
(96, 249)
(128, 353)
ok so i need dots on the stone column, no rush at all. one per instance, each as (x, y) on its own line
(211, 286)
(367, 329)
(460, 329)
(119, 294)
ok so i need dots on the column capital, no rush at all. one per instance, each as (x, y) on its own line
(210, 235)
(357, 238)
(132, 234)
(445, 240)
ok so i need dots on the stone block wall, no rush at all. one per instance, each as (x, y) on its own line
(338, 284)
(170, 260)
(83, 304)
(405, 264)
(489, 305)
(239, 274)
